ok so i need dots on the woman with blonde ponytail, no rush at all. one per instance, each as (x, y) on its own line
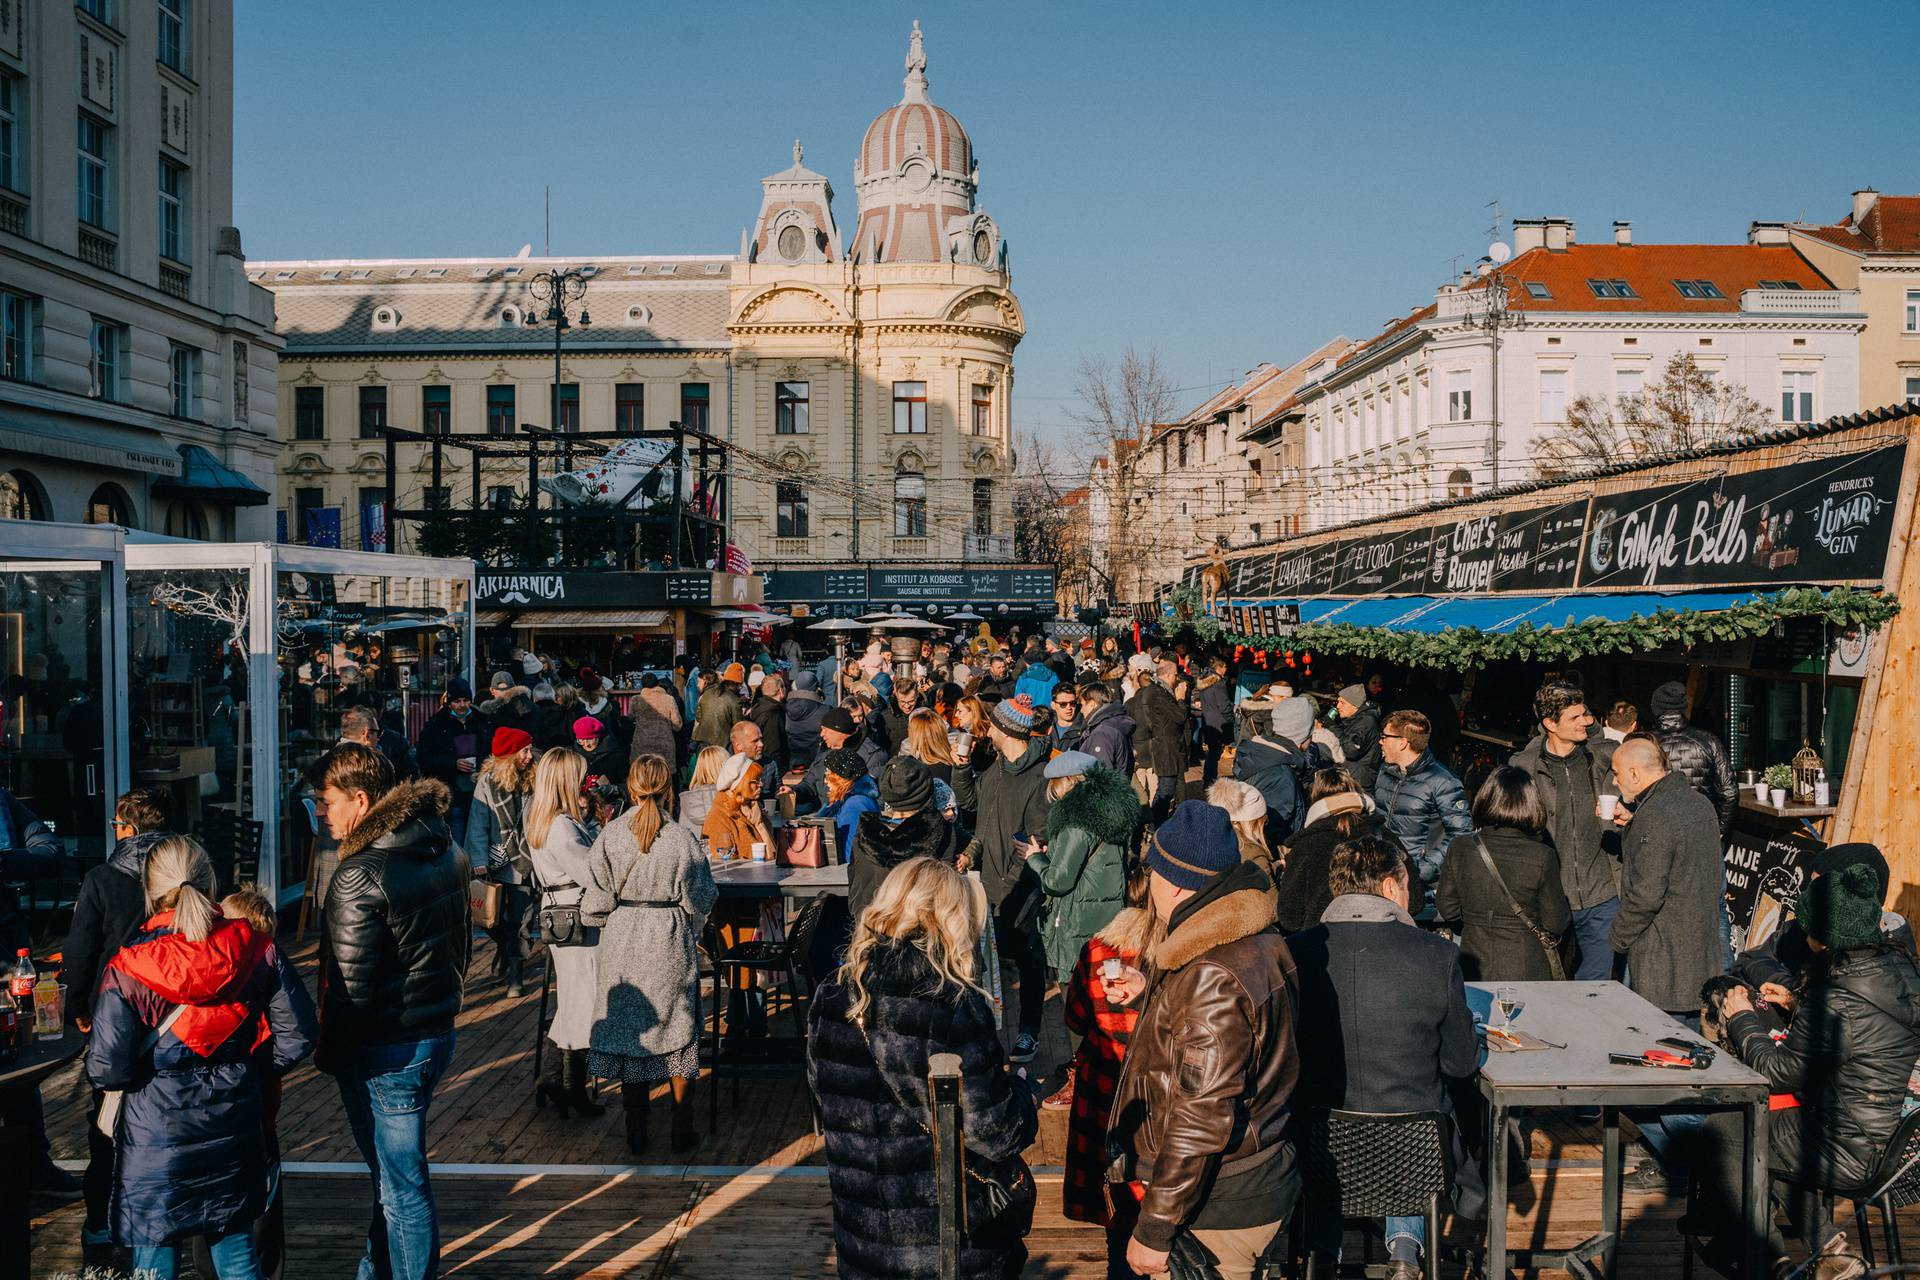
(649, 891)
(908, 990)
(193, 1020)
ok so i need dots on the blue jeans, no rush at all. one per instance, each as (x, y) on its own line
(386, 1090)
(1590, 928)
(232, 1258)
(1405, 1238)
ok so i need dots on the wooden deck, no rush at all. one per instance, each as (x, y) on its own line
(523, 1193)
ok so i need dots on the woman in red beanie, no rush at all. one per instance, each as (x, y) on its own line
(496, 842)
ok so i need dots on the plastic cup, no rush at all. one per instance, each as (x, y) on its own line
(49, 1016)
(1779, 795)
(1607, 806)
(759, 851)
(1110, 968)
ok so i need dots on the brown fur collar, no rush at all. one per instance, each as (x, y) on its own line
(421, 798)
(1234, 916)
(1133, 931)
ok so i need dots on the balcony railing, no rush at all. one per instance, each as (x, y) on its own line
(1803, 302)
(13, 213)
(989, 546)
(97, 250)
(175, 280)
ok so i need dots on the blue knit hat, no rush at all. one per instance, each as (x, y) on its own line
(1194, 845)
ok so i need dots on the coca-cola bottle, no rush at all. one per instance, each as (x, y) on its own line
(20, 980)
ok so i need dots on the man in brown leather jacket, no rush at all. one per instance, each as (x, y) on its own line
(1203, 1108)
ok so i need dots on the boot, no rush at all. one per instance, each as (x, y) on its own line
(683, 1137)
(553, 1084)
(633, 1098)
(514, 988)
(576, 1087)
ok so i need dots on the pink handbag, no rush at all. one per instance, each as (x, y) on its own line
(801, 844)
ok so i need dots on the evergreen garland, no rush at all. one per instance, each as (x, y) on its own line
(1464, 647)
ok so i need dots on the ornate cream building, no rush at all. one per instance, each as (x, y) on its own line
(865, 388)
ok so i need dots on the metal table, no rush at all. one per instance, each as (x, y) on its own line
(1594, 1019)
(38, 1060)
(41, 1058)
(743, 879)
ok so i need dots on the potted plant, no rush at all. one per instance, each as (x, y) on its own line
(1779, 780)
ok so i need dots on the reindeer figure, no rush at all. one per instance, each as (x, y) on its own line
(1213, 578)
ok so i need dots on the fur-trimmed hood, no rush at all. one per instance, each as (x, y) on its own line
(1235, 905)
(1103, 803)
(392, 822)
(1133, 931)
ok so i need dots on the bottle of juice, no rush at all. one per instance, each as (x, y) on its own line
(47, 1013)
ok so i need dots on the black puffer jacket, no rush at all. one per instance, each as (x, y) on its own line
(1426, 808)
(1701, 758)
(871, 1085)
(1359, 739)
(879, 846)
(1160, 732)
(1847, 1056)
(396, 939)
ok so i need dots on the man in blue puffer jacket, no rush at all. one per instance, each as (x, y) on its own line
(1424, 804)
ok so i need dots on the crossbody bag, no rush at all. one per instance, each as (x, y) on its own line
(560, 926)
(110, 1101)
(1548, 943)
(1007, 1191)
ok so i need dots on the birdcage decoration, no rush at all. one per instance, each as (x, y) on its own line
(1807, 768)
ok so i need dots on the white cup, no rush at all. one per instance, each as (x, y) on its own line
(1110, 968)
(1779, 796)
(759, 851)
(1607, 806)
(1760, 792)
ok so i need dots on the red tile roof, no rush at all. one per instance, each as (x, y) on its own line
(1393, 330)
(1892, 225)
(1650, 271)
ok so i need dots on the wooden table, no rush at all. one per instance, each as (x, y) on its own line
(744, 879)
(1593, 1019)
(38, 1060)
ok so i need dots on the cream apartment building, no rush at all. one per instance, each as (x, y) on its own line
(1875, 251)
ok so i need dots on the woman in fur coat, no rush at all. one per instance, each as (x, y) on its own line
(1083, 867)
(907, 991)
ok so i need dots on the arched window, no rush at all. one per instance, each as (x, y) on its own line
(1460, 484)
(909, 505)
(185, 520)
(110, 505)
(21, 497)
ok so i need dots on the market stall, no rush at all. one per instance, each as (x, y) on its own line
(1764, 577)
(218, 631)
(63, 692)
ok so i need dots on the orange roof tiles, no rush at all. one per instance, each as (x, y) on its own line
(1892, 225)
(1650, 271)
(1393, 330)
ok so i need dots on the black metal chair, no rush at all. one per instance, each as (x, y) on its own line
(233, 845)
(742, 959)
(1370, 1165)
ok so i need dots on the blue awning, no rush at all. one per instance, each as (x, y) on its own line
(205, 477)
(1500, 614)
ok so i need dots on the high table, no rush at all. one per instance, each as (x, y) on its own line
(744, 879)
(1593, 1019)
(38, 1060)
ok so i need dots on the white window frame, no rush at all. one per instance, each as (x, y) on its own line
(173, 47)
(173, 209)
(1798, 395)
(1628, 383)
(908, 505)
(183, 376)
(94, 174)
(1459, 395)
(16, 335)
(1913, 388)
(1913, 311)
(1554, 392)
(106, 341)
(13, 132)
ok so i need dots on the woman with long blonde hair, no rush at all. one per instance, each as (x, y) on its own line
(908, 990)
(193, 1019)
(649, 892)
(697, 800)
(560, 842)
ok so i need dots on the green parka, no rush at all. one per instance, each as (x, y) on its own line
(1084, 866)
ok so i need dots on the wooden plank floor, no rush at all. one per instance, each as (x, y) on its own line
(751, 1202)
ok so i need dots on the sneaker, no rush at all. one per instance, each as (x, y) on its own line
(1061, 1099)
(1026, 1047)
(1401, 1270)
(1838, 1262)
(1648, 1176)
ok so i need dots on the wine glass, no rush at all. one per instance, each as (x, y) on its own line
(1506, 1002)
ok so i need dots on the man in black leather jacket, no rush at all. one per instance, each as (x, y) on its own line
(394, 950)
(1692, 752)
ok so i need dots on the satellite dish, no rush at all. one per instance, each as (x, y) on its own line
(526, 250)
(1499, 251)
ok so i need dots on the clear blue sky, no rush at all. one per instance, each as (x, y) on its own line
(1225, 183)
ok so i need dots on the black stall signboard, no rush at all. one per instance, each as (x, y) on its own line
(1824, 520)
(958, 585)
(1770, 861)
(1537, 549)
(591, 589)
(816, 585)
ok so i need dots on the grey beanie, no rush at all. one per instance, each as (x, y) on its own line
(1293, 719)
(1354, 693)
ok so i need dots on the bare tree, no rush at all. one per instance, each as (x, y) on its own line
(1120, 404)
(1044, 521)
(1688, 408)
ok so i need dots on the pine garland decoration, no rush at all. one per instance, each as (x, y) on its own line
(1463, 647)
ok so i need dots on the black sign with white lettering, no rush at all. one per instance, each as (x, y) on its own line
(939, 585)
(1826, 520)
(1765, 860)
(1386, 565)
(586, 590)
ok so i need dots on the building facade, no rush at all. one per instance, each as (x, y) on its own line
(864, 390)
(1875, 250)
(1451, 400)
(137, 363)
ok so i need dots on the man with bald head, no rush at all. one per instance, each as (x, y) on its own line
(1672, 882)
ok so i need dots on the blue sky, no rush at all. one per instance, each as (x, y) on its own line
(1226, 183)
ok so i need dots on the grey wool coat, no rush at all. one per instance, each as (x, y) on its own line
(1672, 887)
(650, 906)
(564, 858)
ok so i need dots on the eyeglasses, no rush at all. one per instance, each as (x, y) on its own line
(1392, 737)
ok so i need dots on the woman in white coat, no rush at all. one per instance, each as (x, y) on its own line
(559, 840)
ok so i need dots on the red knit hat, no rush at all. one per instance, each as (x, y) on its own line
(507, 740)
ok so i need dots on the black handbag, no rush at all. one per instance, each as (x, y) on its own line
(561, 926)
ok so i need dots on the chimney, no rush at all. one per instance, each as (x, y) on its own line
(1623, 233)
(1863, 200)
(1766, 233)
(1528, 234)
(1559, 232)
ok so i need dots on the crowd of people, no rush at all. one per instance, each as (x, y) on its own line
(1289, 932)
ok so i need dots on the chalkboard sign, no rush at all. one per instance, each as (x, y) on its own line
(1770, 861)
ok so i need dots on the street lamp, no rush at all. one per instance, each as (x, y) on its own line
(556, 291)
(1495, 314)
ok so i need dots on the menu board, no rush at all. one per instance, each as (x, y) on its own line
(1387, 564)
(1825, 520)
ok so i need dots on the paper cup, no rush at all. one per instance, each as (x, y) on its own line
(1778, 796)
(759, 851)
(1110, 968)
(1607, 806)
